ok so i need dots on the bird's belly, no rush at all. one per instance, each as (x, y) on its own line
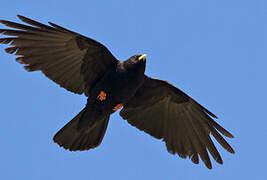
(118, 89)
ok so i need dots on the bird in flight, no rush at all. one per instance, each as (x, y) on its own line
(84, 66)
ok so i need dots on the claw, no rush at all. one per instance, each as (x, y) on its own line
(117, 107)
(102, 96)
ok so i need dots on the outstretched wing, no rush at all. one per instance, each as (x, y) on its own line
(73, 61)
(167, 113)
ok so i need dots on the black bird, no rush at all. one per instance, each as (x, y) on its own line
(84, 66)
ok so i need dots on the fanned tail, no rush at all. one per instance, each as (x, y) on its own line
(73, 138)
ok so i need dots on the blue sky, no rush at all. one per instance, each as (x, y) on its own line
(213, 50)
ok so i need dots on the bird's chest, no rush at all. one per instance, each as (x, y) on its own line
(122, 86)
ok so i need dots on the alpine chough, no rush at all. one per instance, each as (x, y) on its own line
(84, 66)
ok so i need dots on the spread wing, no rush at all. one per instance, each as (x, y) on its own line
(167, 113)
(73, 61)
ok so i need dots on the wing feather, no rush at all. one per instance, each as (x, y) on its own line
(167, 113)
(71, 60)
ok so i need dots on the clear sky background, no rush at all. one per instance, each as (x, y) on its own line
(213, 50)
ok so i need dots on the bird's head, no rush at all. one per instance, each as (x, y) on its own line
(136, 63)
(138, 58)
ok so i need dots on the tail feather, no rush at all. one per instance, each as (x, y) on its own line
(72, 138)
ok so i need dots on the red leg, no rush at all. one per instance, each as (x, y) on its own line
(102, 96)
(117, 107)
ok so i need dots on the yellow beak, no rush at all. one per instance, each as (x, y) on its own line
(143, 57)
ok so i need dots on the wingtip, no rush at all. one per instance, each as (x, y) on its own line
(232, 151)
(228, 134)
(195, 159)
(207, 163)
(219, 160)
(11, 50)
(49, 22)
(209, 166)
(52, 24)
(23, 18)
(20, 16)
(2, 21)
(231, 136)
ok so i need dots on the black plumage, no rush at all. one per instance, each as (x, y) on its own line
(83, 65)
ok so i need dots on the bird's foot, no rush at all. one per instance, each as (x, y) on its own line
(102, 96)
(117, 107)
